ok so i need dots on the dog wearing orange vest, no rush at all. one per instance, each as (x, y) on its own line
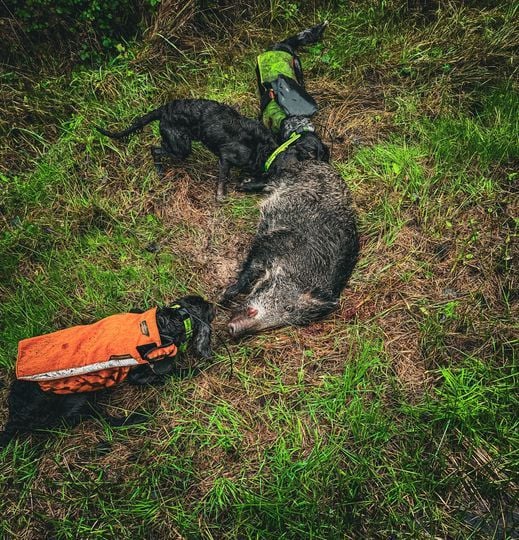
(60, 376)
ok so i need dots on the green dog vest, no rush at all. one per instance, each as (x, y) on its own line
(271, 65)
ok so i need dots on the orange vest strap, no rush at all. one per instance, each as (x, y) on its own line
(161, 352)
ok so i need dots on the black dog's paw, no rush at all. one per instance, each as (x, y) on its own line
(219, 198)
(249, 185)
(102, 448)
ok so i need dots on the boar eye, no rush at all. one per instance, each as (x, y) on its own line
(289, 309)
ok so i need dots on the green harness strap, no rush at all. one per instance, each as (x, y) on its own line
(281, 148)
(188, 327)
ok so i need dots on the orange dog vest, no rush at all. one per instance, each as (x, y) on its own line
(93, 356)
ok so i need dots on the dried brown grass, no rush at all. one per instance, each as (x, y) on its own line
(207, 240)
(350, 116)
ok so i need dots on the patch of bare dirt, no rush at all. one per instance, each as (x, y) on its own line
(204, 234)
(349, 116)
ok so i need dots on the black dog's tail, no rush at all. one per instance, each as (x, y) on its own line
(137, 124)
(308, 36)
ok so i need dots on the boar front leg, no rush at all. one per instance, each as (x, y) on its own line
(265, 248)
(248, 275)
(251, 271)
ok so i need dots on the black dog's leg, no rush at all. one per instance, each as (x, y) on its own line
(27, 410)
(176, 144)
(7, 435)
(221, 191)
(156, 153)
(31, 409)
(143, 375)
(86, 407)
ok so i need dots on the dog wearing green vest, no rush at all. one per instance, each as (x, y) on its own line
(286, 107)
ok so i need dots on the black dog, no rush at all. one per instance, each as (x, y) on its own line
(286, 107)
(31, 408)
(238, 141)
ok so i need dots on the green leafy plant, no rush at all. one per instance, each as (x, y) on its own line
(89, 27)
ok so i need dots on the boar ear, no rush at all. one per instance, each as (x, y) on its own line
(318, 303)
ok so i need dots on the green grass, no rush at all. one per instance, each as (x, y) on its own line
(396, 419)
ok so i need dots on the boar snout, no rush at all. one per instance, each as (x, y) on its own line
(243, 322)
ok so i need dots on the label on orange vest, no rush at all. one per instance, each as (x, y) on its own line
(91, 357)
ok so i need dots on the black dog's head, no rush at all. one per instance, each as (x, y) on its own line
(308, 146)
(172, 329)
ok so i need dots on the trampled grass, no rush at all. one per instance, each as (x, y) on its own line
(394, 418)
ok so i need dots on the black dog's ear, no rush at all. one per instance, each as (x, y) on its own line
(203, 341)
